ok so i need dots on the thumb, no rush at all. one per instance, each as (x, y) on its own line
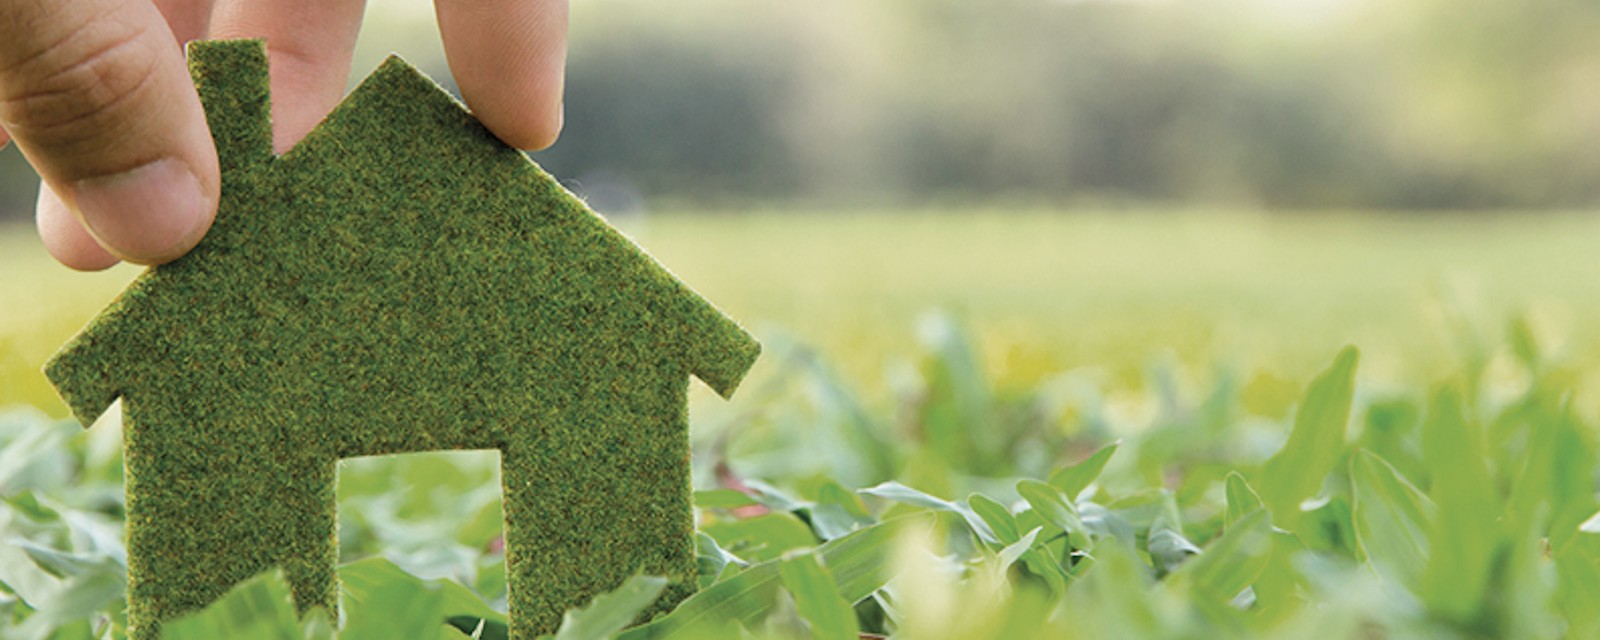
(97, 96)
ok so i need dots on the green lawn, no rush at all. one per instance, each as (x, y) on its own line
(1047, 292)
(913, 454)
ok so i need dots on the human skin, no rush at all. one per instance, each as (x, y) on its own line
(97, 96)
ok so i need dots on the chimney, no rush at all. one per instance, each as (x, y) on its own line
(231, 76)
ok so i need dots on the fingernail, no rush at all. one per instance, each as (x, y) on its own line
(150, 214)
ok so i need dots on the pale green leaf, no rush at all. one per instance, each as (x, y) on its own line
(1315, 445)
(817, 598)
(1072, 480)
(609, 613)
(1391, 518)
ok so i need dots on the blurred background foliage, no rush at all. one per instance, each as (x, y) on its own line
(1283, 104)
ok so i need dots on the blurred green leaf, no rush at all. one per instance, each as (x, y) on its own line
(1054, 508)
(381, 598)
(906, 495)
(1578, 575)
(817, 597)
(837, 511)
(712, 561)
(1466, 538)
(608, 614)
(996, 515)
(1233, 561)
(857, 562)
(955, 418)
(481, 628)
(1391, 517)
(1167, 545)
(1315, 445)
(1072, 480)
(723, 499)
(763, 537)
(1241, 500)
(258, 609)
(1523, 342)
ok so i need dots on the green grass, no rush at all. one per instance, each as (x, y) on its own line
(1137, 426)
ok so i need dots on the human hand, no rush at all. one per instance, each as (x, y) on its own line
(98, 97)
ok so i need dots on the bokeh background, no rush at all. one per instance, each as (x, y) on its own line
(1081, 183)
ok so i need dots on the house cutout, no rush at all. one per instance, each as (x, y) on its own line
(399, 281)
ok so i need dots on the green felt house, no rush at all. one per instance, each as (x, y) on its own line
(399, 281)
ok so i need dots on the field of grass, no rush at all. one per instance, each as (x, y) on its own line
(984, 425)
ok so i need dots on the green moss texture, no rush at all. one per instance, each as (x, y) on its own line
(399, 281)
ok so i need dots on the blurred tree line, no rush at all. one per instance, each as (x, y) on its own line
(1428, 104)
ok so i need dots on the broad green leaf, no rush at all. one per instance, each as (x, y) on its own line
(258, 608)
(362, 576)
(1578, 575)
(1280, 588)
(858, 563)
(837, 511)
(316, 625)
(24, 577)
(772, 497)
(478, 628)
(817, 598)
(81, 597)
(1391, 518)
(1242, 500)
(1557, 471)
(1016, 550)
(712, 561)
(609, 613)
(1167, 545)
(996, 515)
(395, 609)
(1466, 537)
(1234, 560)
(1100, 522)
(1072, 480)
(957, 404)
(1316, 444)
(764, 537)
(381, 598)
(906, 495)
(1054, 508)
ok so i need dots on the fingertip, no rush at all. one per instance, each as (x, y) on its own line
(101, 101)
(509, 59)
(521, 130)
(152, 214)
(65, 238)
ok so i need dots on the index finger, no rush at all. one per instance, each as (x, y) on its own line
(509, 58)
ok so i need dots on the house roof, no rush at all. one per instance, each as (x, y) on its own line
(400, 234)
